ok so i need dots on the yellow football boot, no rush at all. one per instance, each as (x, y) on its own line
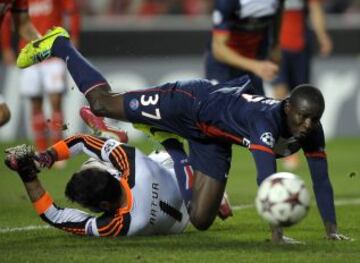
(39, 49)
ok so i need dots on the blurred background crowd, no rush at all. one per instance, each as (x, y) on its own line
(183, 7)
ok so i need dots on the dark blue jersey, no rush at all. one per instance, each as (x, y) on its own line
(232, 112)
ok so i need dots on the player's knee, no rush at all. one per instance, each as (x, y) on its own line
(98, 107)
(103, 103)
(201, 221)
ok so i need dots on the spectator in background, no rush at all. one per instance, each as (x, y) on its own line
(46, 77)
(295, 49)
(174, 7)
(24, 28)
(199, 7)
(244, 41)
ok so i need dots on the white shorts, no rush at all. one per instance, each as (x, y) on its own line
(46, 77)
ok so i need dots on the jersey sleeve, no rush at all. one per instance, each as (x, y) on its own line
(81, 223)
(108, 150)
(223, 15)
(314, 150)
(262, 142)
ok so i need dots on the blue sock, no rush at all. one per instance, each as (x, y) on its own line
(84, 74)
(183, 170)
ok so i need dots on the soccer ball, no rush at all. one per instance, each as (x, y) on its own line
(282, 199)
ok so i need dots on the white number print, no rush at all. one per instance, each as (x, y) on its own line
(150, 100)
(252, 98)
(257, 98)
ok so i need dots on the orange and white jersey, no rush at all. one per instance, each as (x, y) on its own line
(154, 203)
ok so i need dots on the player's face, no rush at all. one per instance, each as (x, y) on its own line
(302, 119)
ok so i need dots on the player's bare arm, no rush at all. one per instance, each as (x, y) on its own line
(24, 27)
(222, 52)
(317, 18)
(275, 50)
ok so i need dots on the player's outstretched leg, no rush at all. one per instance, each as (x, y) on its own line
(56, 43)
(88, 79)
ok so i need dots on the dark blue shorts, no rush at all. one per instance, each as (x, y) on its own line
(172, 107)
(294, 68)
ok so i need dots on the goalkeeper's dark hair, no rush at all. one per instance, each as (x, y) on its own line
(90, 187)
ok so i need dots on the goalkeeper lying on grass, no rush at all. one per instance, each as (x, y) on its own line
(136, 194)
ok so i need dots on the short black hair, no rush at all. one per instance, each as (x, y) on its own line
(308, 93)
(89, 187)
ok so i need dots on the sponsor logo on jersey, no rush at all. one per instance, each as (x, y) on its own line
(134, 104)
(109, 146)
(268, 139)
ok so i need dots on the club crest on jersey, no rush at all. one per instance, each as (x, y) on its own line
(134, 104)
(268, 139)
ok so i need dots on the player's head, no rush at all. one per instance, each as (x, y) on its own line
(94, 188)
(304, 108)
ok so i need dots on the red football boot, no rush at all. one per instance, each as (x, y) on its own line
(225, 209)
(99, 126)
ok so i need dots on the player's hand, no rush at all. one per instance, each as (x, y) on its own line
(325, 45)
(266, 70)
(45, 159)
(21, 159)
(275, 54)
(337, 236)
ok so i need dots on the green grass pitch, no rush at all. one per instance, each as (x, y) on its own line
(241, 238)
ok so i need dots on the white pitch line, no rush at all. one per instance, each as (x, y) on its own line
(340, 202)
(20, 229)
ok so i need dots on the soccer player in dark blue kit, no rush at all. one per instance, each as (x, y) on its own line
(244, 40)
(212, 118)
